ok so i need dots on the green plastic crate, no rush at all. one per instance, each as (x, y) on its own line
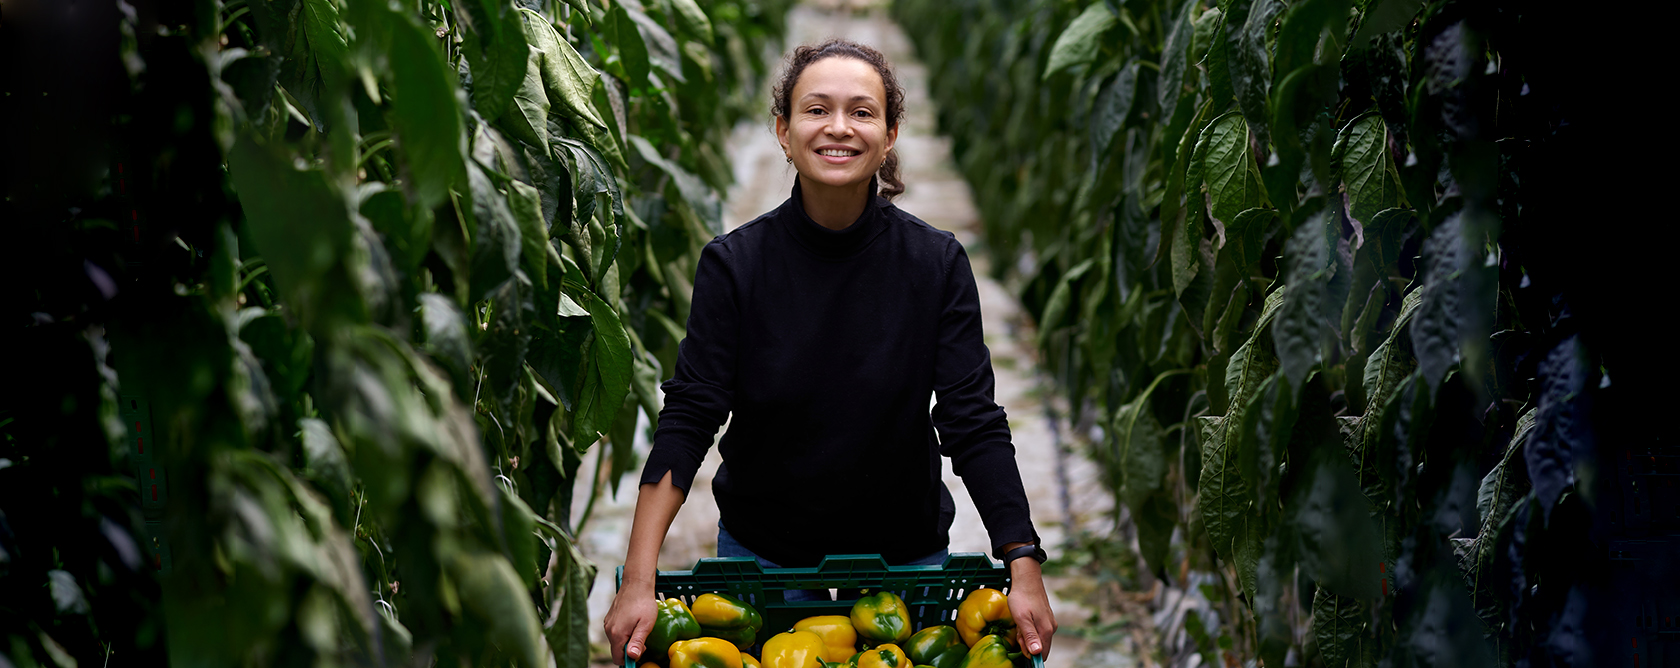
(931, 592)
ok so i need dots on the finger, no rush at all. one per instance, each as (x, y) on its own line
(638, 639)
(1028, 631)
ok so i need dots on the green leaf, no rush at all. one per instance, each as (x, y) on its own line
(1218, 63)
(526, 118)
(425, 115)
(1175, 58)
(1078, 44)
(493, 596)
(593, 182)
(302, 228)
(693, 20)
(1057, 306)
(518, 529)
(1338, 623)
(1155, 520)
(632, 49)
(1434, 329)
(606, 374)
(317, 58)
(1339, 541)
(569, 635)
(1233, 178)
(525, 205)
(495, 48)
(1300, 334)
(694, 191)
(447, 341)
(1113, 106)
(1253, 361)
(1224, 495)
(496, 236)
(1140, 452)
(1373, 182)
(1251, 74)
(567, 79)
(1384, 16)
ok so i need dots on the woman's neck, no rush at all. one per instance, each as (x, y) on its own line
(832, 207)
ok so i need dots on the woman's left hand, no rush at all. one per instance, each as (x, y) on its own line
(1035, 624)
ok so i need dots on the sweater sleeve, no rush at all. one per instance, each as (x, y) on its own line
(973, 430)
(699, 393)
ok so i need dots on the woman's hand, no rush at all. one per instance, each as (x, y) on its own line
(633, 609)
(629, 620)
(1035, 624)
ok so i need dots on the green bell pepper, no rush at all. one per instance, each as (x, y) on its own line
(937, 646)
(881, 618)
(674, 623)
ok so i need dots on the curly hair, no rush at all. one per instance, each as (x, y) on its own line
(780, 103)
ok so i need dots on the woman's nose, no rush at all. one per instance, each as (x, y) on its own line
(839, 126)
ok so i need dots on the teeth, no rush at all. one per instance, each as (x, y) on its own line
(838, 153)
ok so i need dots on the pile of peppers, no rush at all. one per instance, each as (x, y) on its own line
(719, 629)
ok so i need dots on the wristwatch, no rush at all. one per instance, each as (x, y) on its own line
(1030, 550)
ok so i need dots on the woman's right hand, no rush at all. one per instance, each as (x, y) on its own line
(629, 620)
(633, 609)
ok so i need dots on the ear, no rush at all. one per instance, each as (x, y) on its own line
(782, 132)
(892, 137)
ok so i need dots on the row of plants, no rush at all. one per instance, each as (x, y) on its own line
(1294, 261)
(358, 285)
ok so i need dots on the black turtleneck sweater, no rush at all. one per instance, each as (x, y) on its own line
(827, 346)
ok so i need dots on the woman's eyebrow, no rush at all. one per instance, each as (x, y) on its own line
(855, 98)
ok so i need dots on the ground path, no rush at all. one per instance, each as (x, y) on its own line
(1071, 496)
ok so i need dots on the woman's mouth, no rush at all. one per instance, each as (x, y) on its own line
(837, 152)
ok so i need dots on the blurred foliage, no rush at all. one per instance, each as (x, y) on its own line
(1296, 263)
(324, 302)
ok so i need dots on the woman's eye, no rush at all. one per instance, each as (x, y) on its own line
(862, 113)
(818, 111)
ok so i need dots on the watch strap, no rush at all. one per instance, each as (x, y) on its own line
(1030, 550)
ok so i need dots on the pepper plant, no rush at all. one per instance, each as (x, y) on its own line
(1292, 265)
(333, 314)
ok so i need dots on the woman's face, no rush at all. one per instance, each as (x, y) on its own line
(836, 131)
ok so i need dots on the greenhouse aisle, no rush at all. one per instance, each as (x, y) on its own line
(1062, 485)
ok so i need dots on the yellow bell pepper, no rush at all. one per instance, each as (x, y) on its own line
(704, 653)
(883, 656)
(990, 652)
(747, 661)
(794, 649)
(724, 616)
(985, 612)
(881, 618)
(838, 636)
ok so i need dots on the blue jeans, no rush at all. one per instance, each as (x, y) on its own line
(727, 546)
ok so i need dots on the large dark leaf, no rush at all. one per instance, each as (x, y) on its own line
(606, 374)
(1078, 43)
(1373, 182)
(1300, 333)
(316, 67)
(302, 228)
(1434, 329)
(495, 48)
(567, 79)
(1339, 626)
(1233, 178)
(425, 115)
(1114, 105)
(1553, 446)
(632, 49)
(1251, 74)
(1175, 57)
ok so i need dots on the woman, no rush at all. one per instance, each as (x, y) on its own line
(824, 326)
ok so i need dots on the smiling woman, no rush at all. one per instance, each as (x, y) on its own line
(819, 331)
